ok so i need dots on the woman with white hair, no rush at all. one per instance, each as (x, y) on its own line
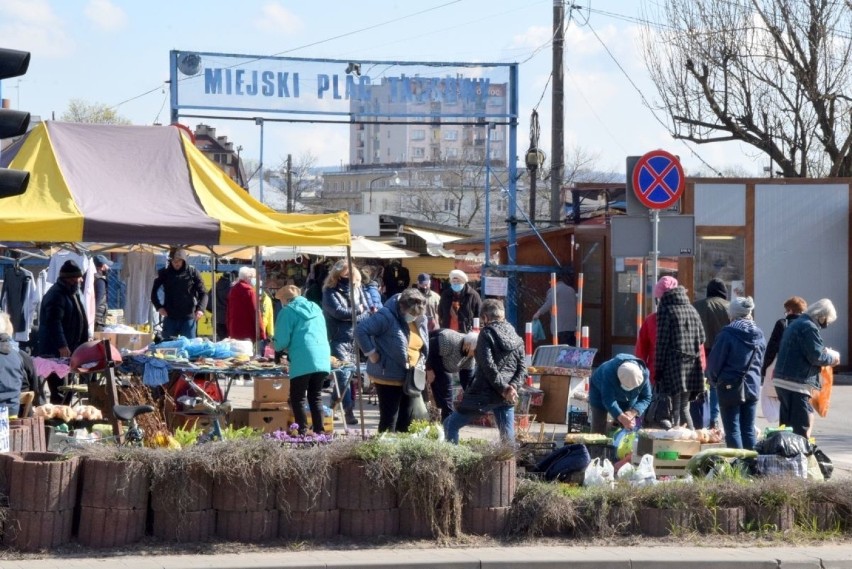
(734, 369)
(801, 356)
(459, 304)
(243, 316)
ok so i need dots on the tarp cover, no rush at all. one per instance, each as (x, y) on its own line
(141, 184)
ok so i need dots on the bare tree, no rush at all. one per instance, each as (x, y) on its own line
(302, 178)
(774, 74)
(93, 113)
(580, 165)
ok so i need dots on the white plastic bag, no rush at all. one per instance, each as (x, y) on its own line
(769, 403)
(644, 474)
(599, 473)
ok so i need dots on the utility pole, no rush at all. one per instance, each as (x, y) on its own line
(289, 183)
(557, 155)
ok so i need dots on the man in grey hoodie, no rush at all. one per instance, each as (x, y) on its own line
(500, 371)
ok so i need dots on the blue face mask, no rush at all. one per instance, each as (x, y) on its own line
(410, 318)
(457, 287)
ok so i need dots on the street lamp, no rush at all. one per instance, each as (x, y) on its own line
(395, 177)
(534, 159)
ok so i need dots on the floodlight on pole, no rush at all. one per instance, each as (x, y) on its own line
(13, 63)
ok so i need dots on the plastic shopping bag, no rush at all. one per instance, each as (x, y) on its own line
(599, 473)
(538, 331)
(769, 403)
(822, 398)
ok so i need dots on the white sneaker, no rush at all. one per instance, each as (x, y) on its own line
(239, 382)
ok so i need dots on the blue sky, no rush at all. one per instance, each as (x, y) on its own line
(116, 51)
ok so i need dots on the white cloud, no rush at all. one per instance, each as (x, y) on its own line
(533, 37)
(106, 15)
(32, 25)
(275, 17)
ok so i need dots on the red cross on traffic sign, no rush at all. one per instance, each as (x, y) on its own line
(658, 179)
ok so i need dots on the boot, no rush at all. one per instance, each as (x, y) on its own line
(351, 419)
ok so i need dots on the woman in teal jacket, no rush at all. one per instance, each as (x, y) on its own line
(300, 330)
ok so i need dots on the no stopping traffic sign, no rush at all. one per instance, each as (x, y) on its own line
(658, 179)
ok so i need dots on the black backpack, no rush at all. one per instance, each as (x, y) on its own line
(563, 462)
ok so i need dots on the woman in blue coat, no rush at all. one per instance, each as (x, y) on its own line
(300, 330)
(620, 388)
(734, 368)
(395, 339)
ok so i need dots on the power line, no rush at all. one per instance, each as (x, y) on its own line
(645, 100)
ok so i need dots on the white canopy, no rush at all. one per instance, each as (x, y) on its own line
(361, 248)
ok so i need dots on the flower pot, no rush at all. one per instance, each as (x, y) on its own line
(20, 438)
(5, 473)
(191, 492)
(727, 521)
(309, 525)
(621, 520)
(356, 491)
(496, 489)
(43, 482)
(369, 523)
(113, 484)
(296, 496)
(108, 527)
(247, 527)
(185, 527)
(32, 531)
(770, 518)
(485, 521)
(660, 522)
(250, 494)
(823, 516)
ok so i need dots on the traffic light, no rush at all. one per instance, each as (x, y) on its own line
(13, 63)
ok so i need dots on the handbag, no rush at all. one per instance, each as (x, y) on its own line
(732, 392)
(415, 380)
(659, 410)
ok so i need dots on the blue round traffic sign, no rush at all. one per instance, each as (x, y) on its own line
(658, 179)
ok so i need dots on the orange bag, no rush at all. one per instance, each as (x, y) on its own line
(822, 398)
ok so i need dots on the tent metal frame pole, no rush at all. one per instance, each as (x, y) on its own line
(258, 324)
(213, 293)
(356, 353)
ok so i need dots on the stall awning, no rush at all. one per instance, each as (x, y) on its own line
(362, 248)
(432, 238)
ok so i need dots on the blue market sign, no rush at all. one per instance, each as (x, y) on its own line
(658, 179)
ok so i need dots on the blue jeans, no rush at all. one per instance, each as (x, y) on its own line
(174, 327)
(344, 389)
(738, 421)
(504, 415)
(714, 405)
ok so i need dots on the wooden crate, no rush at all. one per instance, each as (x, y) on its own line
(677, 467)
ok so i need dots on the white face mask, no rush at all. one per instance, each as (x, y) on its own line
(253, 282)
(410, 318)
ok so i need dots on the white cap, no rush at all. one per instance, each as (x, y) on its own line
(630, 375)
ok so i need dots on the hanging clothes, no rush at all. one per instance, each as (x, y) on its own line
(19, 300)
(138, 272)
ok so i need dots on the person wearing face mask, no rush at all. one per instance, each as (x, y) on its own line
(395, 339)
(63, 324)
(242, 311)
(433, 300)
(801, 356)
(459, 304)
(337, 306)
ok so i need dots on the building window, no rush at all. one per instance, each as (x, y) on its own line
(451, 135)
(449, 204)
(384, 204)
(452, 152)
(418, 134)
(418, 152)
(501, 206)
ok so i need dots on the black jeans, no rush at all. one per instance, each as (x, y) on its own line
(796, 410)
(310, 385)
(466, 378)
(395, 408)
(680, 410)
(442, 389)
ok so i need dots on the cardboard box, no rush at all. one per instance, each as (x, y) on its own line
(327, 422)
(190, 421)
(271, 389)
(556, 392)
(266, 420)
(126, 341)
(269, 405)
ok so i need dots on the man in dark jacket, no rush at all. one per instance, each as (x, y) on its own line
(63, 324)
(102, 266)
(713, 311)
(677, 361)
(459, 304)
(184, 296)
(500, 371)
(223, 287)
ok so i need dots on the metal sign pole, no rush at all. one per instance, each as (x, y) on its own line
(655, 254)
